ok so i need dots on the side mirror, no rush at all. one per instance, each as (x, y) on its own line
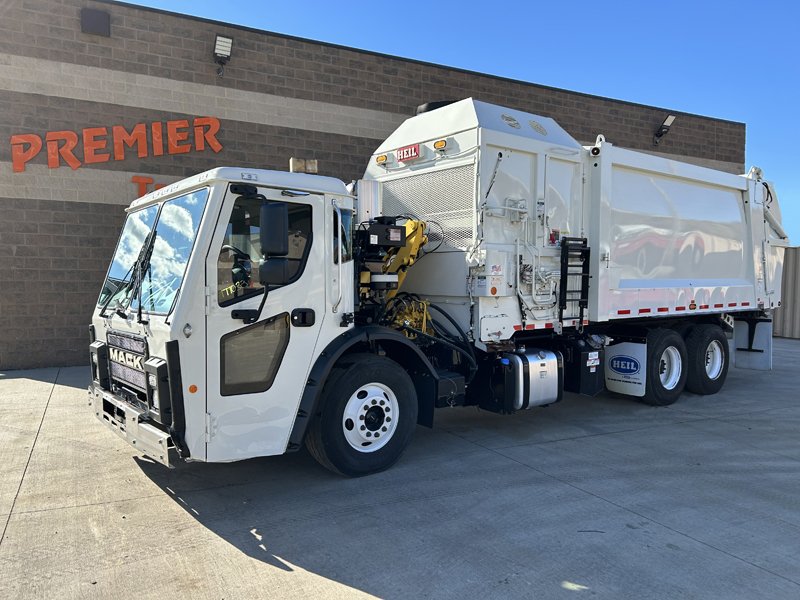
(274, 271)
(274, 234)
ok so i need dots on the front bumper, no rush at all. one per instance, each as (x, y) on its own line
(131, 425)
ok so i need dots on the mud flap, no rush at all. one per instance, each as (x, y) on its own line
(752, 340)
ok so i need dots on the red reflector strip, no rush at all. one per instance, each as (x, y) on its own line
(745, 304)
(663, 309)
(517, 327)
(623, 312)
(680, 308)
(643, 311)
(703, 306)
(530, 326)
(718, 305)
(731, 304)
(548, 325)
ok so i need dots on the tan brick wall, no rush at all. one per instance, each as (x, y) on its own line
(280, 97)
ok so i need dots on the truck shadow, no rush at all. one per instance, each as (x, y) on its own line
(289, 513)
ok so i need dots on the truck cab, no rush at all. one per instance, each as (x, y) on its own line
(187, 344)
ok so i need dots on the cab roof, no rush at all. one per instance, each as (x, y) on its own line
(260, 177)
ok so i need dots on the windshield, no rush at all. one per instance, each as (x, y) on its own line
(175, 231)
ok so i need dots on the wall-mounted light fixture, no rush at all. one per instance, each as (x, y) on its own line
(663, 129)
(222, 52)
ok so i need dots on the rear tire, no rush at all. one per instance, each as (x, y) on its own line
(367, 418)
(708, 358)
(666, 367)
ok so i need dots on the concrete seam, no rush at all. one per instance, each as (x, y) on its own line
(633, 512)
(28, 462)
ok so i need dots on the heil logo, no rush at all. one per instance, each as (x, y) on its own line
(624, 365)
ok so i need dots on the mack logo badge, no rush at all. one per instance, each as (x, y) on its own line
(126, 358)
(625, 365)
(408, 153)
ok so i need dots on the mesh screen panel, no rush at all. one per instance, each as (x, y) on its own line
(127, 374)
(446, 196)
(132, 344)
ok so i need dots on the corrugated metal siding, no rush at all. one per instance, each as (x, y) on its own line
(787, 317)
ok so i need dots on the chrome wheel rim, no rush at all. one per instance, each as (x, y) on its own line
(370, 417)
(669, 368)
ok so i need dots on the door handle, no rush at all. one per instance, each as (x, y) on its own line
(303, 317)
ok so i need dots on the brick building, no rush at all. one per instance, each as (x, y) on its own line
(92, 117)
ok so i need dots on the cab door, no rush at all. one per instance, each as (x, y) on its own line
(256, 372)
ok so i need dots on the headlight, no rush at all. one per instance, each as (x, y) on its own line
(151, 379)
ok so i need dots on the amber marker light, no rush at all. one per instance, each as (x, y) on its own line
(381, 159)
(440, 144)
(193, 389)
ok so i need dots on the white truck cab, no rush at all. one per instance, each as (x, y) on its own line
(180, 359)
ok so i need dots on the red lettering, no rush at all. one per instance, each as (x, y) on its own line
(70, 139)
(122, 138)
(176, 132)
(141, 182)
(158, 143)
(91, 145)
(202, 135)
(20, 155)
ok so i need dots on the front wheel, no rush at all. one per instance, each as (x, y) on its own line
(666, 367)
(368, 415)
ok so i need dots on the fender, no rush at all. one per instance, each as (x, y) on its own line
(398, 347)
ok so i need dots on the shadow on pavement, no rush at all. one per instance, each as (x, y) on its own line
(288, 512)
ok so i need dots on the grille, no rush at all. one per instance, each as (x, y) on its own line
(446, 196)
(128, 375)
(123, 373)
(127, 342)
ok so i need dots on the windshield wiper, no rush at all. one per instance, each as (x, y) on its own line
(142, 263)
(126, 283)
(143, 266)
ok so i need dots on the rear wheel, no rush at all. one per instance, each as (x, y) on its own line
(708, 357)
(666, 367)
(368, 415)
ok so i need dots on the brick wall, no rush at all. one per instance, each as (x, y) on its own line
(280, 97)
(53, 257)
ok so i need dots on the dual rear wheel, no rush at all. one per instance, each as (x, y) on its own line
(698, 363)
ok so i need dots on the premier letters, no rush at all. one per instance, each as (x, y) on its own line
(102, 144)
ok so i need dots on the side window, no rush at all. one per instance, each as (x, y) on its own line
(343, 231)
(250, 356)
(240, 254)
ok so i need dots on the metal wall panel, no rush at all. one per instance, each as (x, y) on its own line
(787, 317)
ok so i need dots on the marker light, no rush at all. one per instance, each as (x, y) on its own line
(381, 159)
(440, 144)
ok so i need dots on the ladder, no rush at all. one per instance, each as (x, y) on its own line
(574, 265)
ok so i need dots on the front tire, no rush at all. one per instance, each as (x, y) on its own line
(368, 415)
(666, 367)
(707, 349)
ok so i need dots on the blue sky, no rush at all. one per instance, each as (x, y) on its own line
(733, 60)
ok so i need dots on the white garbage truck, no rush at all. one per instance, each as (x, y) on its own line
(485, 259)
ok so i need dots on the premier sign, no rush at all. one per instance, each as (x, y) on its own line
(103, 144)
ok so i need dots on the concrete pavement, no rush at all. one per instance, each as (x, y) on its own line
(602, 497)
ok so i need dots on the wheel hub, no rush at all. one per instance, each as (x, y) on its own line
(714, 359)
(669, 367)
(370, 417)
